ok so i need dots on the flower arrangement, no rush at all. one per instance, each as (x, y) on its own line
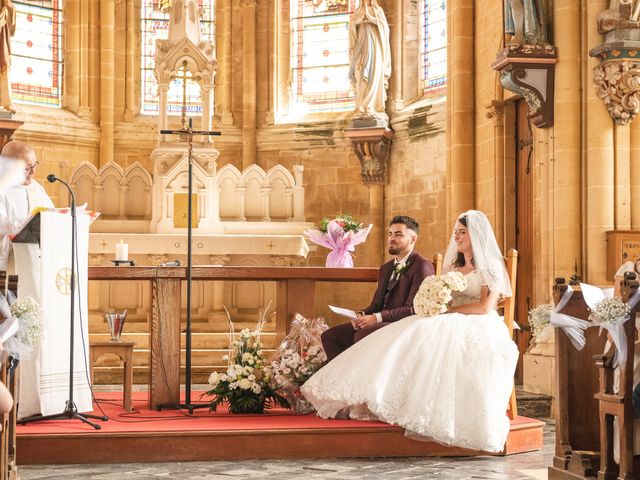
(246, 385)
(435, 291)
(29, 316)
(299, 356)
(539, 318)
(610, 310)
(340, 234)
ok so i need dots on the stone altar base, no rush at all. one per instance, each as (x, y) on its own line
(171, 437)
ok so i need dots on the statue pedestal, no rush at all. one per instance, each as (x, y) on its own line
(371, 144)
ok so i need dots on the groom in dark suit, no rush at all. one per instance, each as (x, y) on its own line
(398, 282)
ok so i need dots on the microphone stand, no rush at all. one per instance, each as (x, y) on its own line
(70, 409)
(189, 132)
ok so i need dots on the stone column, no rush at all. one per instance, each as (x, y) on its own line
(298, 194)
(461, 109)
(395, 90)
(599, 166)
(223, 52)
(565, 200)
(162, 113)
(207, 117)
(73, 49)
(107, 77)
(241, 191)
(622, 136)
(248, 83)
(282, 100)
(124, 189)
(86, 49)
(634, 173)
(263, 60)
(377, 235)
(266, 213)
(132, 59)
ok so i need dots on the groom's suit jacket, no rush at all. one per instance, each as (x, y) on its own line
(394, 298)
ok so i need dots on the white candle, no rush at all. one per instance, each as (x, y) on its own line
(122, 252)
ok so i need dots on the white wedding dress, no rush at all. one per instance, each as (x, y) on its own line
(447, 378)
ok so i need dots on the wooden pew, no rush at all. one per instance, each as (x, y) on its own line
(577, 451)
(618, 404)
(9, 376)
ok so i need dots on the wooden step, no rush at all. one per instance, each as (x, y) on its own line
(198, 340)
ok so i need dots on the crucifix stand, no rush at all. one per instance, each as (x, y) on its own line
(188, 132)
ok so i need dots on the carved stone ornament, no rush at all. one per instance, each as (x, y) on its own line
(617, 79)
(529, 71)
(371, 146)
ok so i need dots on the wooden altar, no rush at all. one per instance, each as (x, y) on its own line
(295, 293)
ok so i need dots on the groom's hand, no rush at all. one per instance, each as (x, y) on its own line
(365, 321)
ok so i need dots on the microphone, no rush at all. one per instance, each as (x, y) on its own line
(52, 179)
(175, 263)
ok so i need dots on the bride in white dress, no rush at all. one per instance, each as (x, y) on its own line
(448, 377)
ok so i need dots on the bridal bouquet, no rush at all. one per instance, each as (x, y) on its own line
(24, 317)
(246, 384)
(435, 293)
(340, 234)
(299, 356)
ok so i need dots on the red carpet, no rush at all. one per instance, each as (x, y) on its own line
(144, 420)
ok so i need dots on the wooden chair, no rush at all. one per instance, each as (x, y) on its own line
(437, 263)
(618, 404)
(507, 304)
(509, 307)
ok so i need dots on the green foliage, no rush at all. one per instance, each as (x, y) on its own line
(347, 222)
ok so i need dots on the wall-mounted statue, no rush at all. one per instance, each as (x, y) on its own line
(7, 29)
(620, 14)
(525, 21)
(370, 58)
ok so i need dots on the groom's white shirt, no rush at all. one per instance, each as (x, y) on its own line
(404, 259)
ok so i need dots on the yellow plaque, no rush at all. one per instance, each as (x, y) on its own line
(181, 209)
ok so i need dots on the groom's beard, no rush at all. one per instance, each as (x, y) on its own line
(394, 250)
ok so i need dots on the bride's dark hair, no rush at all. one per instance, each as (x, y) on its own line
(459, 261)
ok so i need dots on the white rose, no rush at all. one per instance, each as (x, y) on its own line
(251, 377)
(214, 379)
(244, 384)
(256, 388)
(246, 356)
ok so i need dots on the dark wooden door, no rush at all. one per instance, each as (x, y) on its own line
(524, 228)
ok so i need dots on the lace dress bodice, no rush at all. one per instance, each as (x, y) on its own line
(471, 293)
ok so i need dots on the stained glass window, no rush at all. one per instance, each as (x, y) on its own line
(36, 53)
(320, 54)
(434, 45)
(155, 26)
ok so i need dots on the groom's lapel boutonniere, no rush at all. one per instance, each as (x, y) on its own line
(399, 268)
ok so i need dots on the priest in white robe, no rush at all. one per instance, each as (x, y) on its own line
(17, 201)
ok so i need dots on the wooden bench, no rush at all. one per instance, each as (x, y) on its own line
(9, 376)
(618, 404)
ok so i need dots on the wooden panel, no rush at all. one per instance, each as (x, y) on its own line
(297, 296)
(250, 444)
(164, 333)
(524, 229)
(622, 246)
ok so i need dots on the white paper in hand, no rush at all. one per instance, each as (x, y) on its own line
(344, 312)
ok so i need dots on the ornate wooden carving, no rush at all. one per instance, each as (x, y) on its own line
(371, 145)
(529, 70)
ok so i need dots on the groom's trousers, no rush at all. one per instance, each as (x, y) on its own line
(337, 339)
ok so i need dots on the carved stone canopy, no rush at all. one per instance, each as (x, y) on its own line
(529, 70)
(371, 146)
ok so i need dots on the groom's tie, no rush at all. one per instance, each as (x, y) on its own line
(392, 283)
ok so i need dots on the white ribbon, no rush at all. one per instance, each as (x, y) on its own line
(572, 326)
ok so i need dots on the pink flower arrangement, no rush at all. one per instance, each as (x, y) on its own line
(341, 235)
